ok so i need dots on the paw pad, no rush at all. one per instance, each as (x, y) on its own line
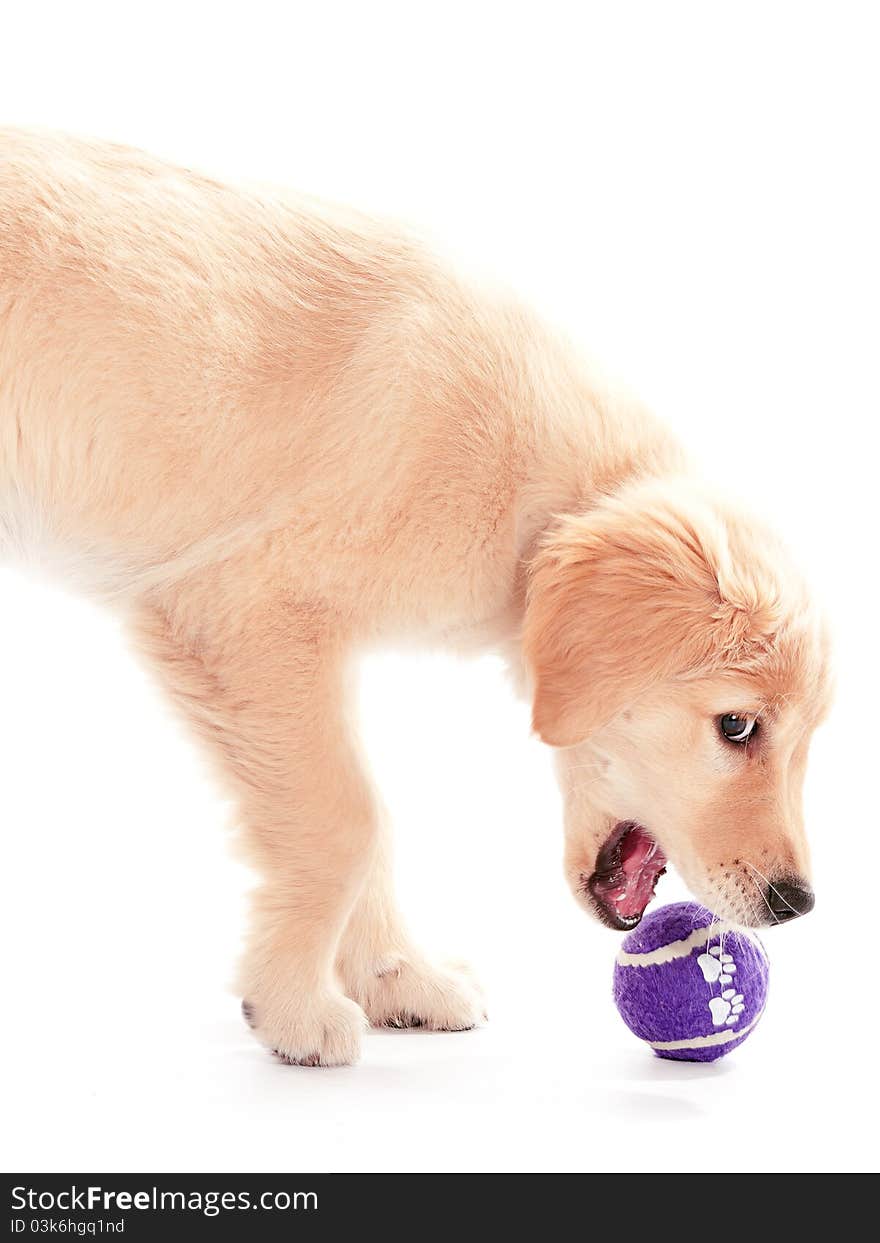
(727, 1008)
(404, 1020)
(314, 1059)
(719, 968)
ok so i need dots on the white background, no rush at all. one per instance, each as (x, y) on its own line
(690, 189)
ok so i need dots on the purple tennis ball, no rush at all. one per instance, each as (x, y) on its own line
(688, 985)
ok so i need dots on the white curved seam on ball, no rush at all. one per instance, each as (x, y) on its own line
(675, 949)
(706, 1042)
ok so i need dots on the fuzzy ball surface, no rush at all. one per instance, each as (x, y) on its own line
(688, 985)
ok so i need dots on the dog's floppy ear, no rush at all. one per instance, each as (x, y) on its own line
(624, 596)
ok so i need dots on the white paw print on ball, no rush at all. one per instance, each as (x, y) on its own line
(716, 966)
(727, 1008)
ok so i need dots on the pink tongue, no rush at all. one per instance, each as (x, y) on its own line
(641, 860)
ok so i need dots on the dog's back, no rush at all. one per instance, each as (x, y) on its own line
(189, 369)
(183, 364)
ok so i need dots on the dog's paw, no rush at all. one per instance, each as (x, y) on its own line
(323, 1030)
(410, 992)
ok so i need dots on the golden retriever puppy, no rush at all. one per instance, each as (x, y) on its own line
(271, 434)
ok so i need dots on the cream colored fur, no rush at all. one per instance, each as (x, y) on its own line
(272, 433)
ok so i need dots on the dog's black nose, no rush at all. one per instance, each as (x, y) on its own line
(787, 899)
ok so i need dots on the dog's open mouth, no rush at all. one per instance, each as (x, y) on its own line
(627, 868)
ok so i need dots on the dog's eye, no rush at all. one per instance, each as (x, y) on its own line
(737, 727)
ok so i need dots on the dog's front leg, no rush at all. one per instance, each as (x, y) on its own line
(267, 691)
(381, 968)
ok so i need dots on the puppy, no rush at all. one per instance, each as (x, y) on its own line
(271, 433)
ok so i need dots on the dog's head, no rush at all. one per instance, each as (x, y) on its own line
(679, 666)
